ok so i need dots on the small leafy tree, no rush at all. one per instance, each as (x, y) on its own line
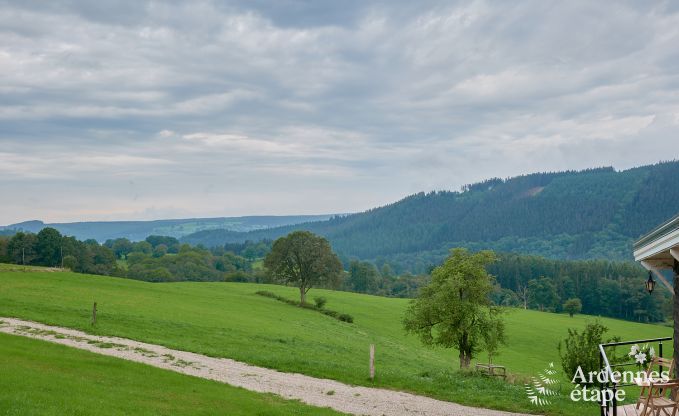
(493, 333)
(454, 310)
(70, 262)
(303, 259)
(572, 306)
(581, 349)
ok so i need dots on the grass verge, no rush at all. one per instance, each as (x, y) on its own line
(41, 378)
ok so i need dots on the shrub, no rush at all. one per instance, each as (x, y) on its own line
(320, 302)
(267, 294)
(346, 318)
(582, 349)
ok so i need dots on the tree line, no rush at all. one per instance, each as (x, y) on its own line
(594, 287)
(155, 259)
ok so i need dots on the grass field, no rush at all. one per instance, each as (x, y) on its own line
(229, 320)
(41, 378)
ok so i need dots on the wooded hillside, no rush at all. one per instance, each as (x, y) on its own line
(595, 213)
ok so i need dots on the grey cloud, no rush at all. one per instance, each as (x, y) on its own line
(353, 104)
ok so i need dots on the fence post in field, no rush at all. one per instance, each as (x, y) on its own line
(372, 362)
(94, 313)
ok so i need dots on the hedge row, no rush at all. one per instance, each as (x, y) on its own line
(344, 317)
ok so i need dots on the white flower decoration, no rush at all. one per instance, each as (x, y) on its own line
(651, 352)
(634, 350)
(640, 358)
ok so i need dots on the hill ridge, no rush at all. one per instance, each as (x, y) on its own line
(590, 213)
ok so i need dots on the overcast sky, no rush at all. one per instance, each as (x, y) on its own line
(145, 110)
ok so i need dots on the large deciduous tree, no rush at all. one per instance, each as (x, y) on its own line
(22, 248)
(454, 310)
(303, 259)
(48, 246)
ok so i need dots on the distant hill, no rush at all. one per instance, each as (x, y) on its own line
(595, 213)
(139, 230)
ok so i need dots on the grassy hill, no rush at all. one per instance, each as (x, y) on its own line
(595, 213)
(47, 379)
(229, 320)
(139, 230)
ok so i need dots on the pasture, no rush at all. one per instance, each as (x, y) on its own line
(229, 320)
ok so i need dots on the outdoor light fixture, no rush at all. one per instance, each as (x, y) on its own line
(650, 283)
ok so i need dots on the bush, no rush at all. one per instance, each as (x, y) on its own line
(267, 294)
(582, 349)
(320, 302)
(346, 318)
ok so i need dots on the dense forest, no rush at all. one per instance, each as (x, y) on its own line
(606, 288)
(595, 213)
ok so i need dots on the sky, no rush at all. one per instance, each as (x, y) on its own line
(147, 110)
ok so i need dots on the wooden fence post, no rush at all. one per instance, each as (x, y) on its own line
(94, 313)
(372, 362)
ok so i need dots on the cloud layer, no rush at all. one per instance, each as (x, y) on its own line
(170, 109)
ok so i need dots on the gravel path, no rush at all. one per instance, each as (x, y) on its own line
(310, 390)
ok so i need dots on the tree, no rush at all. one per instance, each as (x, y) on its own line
(160, 250)
(303, 259)
(362, 277)
(48, 246)
(582, 349)
(70, 262)
(121, 247)
(493, 333)
(4, 251)
(542, 293)
(572, 306)
(142, 247)
(21, 248)
(454, 310)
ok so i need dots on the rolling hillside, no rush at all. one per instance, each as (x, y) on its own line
(139, 230)
(229, 320)
(594, 213)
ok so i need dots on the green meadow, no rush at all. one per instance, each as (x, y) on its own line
(229, 320)
(41, 378)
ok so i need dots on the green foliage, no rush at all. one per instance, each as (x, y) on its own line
(70, 262)
(572, 306)
(454, 309)
(143, 260)
(542, 293)
(493, 335)
(581, 349)
(604, 287)
(48, 247)
(303, 259)
(4, 250)
(21, 248)
(320, 302)
(363, 277)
